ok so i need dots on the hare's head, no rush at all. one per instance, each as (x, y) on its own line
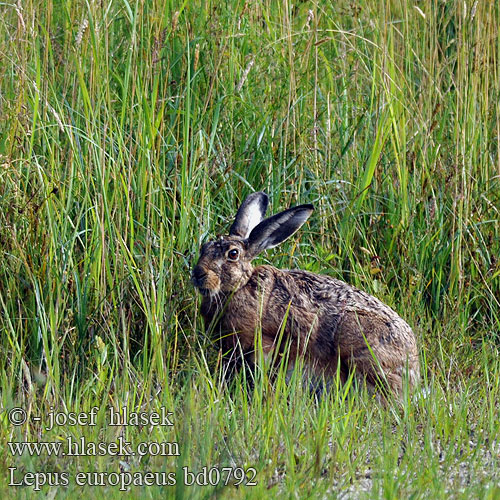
(225, 264)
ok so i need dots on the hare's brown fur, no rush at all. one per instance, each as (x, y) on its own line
(327, 320)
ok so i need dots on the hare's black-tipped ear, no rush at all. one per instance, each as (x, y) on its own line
(250, 213)
(272, 231)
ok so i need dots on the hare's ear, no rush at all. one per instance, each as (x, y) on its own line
(272, 231)
(250, 213)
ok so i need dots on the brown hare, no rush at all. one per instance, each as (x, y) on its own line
(323, 320)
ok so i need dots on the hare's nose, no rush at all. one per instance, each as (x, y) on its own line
(198, 274)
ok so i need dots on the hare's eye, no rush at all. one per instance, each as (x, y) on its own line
(233, 254)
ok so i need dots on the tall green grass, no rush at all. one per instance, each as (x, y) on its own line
(129, 133)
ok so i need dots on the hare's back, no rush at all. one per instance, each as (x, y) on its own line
(326, 291)
(358, 316)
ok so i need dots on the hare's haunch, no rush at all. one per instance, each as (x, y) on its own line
(327, 321)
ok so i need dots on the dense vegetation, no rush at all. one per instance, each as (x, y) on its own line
(130, 132)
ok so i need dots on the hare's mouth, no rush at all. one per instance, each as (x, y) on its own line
(206, 281)
(206, 292)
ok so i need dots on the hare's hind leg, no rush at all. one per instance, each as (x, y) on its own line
(368, 345)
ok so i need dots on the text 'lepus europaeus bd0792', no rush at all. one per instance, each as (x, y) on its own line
(321, 319)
